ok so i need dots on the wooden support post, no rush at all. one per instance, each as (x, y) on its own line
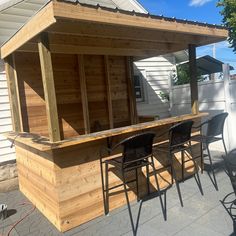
(131, 94)
(49, 87)
(108, 87)
(84, 97)
(228, 106)
(193, 79)
(13, 93)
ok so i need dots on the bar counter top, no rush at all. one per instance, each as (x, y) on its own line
(43, 144)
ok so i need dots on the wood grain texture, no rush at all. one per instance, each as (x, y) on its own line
(43, 144)
(49, 87)
(108, 88)
(83, 13)
(65, 184)
(31, 93)
(14, 96)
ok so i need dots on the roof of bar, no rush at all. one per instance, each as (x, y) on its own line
(116, 9)
(56, 14)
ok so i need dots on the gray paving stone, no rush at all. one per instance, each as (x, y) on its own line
(201, 215)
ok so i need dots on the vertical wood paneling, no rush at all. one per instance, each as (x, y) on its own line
(131, 95)
(108, 86)
(31, 93)
(96, 92)
(119, 94)
(68, 92)
(84, 96)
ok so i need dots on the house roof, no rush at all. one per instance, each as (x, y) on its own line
(15, 13)
(128, 32)
(207, 65)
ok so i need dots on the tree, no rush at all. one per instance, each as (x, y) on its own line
(229, 19)
(183, 75)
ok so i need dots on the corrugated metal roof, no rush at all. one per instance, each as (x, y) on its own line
(15, 13)
(208, 65)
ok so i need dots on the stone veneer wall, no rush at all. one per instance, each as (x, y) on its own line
(8, 176)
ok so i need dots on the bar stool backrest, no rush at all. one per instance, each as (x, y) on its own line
(216, 125)
(137, 147)
(180, 133)
(230, 163)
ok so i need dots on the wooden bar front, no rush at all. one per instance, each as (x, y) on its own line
(63, 179)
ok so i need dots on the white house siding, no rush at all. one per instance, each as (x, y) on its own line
(157, 72)
(6, 153)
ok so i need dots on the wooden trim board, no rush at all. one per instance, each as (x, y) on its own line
(43, 144)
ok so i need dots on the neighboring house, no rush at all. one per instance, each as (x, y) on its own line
(152, 83)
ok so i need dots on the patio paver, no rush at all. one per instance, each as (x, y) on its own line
(201, 215)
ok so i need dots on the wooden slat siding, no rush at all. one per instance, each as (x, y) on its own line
(119, 94)
(193, 79)
(49, 87)
(65, 185)
(84, 95)
(131, 95)
(12, 81)
(68, 93)
(96, 92)
(38, 181)
(31, 93)
(108, 86)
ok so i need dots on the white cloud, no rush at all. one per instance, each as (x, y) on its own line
(198, 3)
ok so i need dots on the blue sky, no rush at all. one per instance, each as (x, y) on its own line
(196, 10)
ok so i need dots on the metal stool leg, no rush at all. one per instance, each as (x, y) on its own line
(176, 181)
(107, 188)
(224, 146)
(202, 158)
(103, 186)
(163, 205)
(137, 183)
(183, 164)
(128, 204)
(196, 168)
(148, 179)
(212, 169)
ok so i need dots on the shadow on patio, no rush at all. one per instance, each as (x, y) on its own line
(201, 215)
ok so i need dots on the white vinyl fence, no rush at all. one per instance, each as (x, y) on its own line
(214, 97)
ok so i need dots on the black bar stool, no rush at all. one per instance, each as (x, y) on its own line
(215, 132)
(180, 141)
(136, 153)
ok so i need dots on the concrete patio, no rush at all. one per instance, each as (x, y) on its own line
(201, 215)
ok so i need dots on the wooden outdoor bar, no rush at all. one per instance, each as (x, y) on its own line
(70, 79)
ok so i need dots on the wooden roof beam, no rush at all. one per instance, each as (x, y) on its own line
(125, 33)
